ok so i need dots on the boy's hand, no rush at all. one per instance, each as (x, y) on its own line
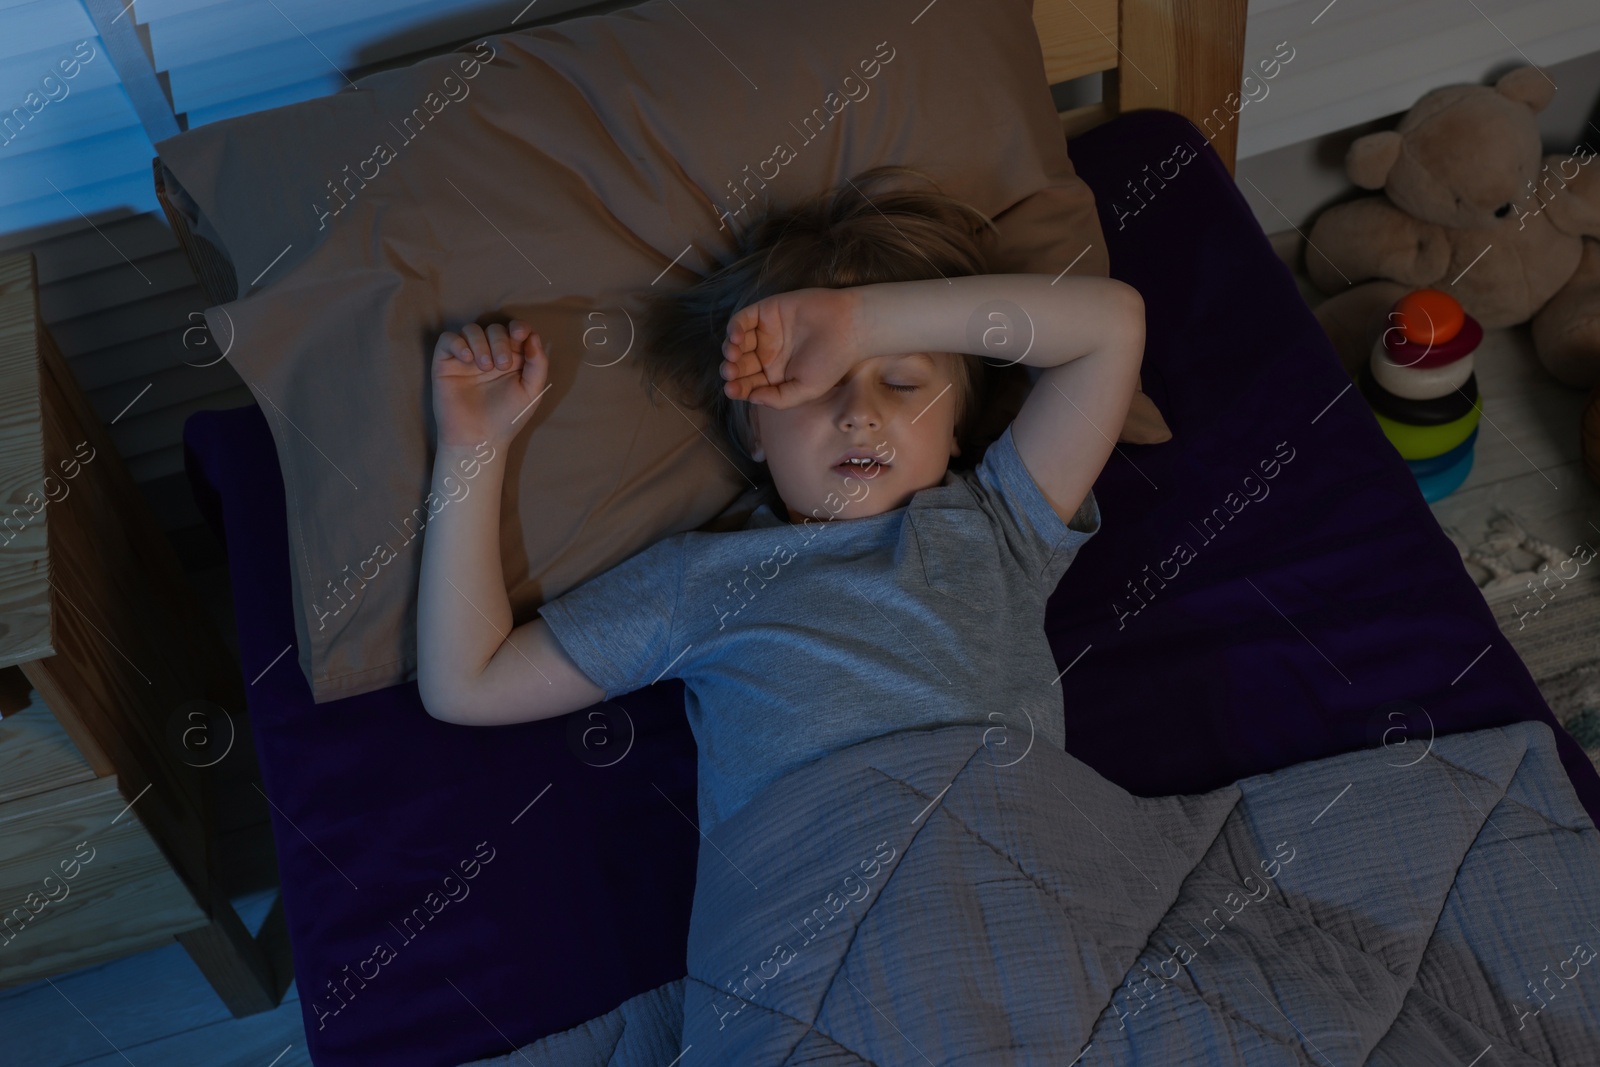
(486, 382)
(791, 347)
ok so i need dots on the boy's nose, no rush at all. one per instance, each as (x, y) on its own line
(857, 408)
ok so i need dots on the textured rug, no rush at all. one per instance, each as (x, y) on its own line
(1547, 602)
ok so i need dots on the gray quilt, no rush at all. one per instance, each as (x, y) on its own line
(926, 899)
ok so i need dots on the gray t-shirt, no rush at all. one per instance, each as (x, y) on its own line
(796, 640)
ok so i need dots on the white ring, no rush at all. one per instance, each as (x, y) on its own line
(1419, 383)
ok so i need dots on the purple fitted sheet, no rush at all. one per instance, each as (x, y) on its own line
(1332, 614)
(1329, 615)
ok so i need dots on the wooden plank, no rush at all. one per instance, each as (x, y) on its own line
(131, 644)
(116, 893)
(24, 557)
(1079, 119)
(273, 1039)
(1182, 55)
(1077, 37)
(36, 755)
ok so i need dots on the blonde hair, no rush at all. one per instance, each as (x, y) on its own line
(890, 224)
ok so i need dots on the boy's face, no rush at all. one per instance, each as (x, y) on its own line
(899, 409)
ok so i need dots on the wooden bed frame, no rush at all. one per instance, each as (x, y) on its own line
(1181, 55)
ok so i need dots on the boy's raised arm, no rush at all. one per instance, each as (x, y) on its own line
(472, 667)
(1086, 333)
(1031, 319)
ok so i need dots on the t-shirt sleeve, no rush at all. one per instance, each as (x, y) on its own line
(1041, 544)
(618, 625)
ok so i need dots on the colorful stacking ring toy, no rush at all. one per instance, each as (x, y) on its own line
(1411, 354)
(1423, 442)
(1428, 317)
(1418, 383)
(1440, 484)
(1445, 460)
(1433, 412)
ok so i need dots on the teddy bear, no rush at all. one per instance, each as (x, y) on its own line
(1471, 206)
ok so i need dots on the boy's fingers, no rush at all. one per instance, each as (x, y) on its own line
(479, 343)
(745, 366)
(450, 345)
(499, 345)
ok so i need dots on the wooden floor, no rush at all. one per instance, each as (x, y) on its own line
(152, 1010)
(1527, 459)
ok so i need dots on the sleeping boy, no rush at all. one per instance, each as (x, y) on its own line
(875, 589)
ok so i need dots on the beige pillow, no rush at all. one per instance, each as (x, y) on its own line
(547, 175)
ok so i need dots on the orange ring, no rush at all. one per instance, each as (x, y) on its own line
(1428, 317)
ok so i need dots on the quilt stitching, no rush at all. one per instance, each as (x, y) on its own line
(1445, 1008)
(1433, 928)
(811, 1028)
(1505, 790)
(1433, 932)
(1309, 919)
(976, 836)
(844, 957)
(1224, 1007)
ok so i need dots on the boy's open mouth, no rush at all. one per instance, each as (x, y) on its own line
(860, 466)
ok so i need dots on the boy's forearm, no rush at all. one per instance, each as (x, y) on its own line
(463, 613)
(1031, 319)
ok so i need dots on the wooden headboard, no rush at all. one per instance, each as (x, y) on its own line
(1182, 55)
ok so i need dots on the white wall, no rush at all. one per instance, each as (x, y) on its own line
(1357, 60)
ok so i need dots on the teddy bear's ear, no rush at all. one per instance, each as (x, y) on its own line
(1370, 158)
(1527, 85)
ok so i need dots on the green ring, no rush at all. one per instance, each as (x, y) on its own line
(1423, 442)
